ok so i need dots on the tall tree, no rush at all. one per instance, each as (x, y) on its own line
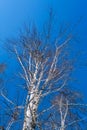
(70, 111)
(45, 70)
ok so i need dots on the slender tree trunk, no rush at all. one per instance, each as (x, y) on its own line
(30, 118)
(62, 125)
(62, 128)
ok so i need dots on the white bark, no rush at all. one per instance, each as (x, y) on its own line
(34, 77)
(63, 113)
(30, 112)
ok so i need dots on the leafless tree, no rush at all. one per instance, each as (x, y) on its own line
(69, 111)
(42, 75)
(45, 70)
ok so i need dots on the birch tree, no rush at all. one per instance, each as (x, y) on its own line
(45, 70)
(71, 112)
(40, 74)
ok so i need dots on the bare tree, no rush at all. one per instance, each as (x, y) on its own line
(70, 110)
(41, 73)
(45, 70)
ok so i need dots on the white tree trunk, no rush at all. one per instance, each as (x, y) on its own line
(62, 125)
(30, 111)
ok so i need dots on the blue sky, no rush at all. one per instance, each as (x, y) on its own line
(14, 13)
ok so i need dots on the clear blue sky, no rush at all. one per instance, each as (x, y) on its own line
(14, 13)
